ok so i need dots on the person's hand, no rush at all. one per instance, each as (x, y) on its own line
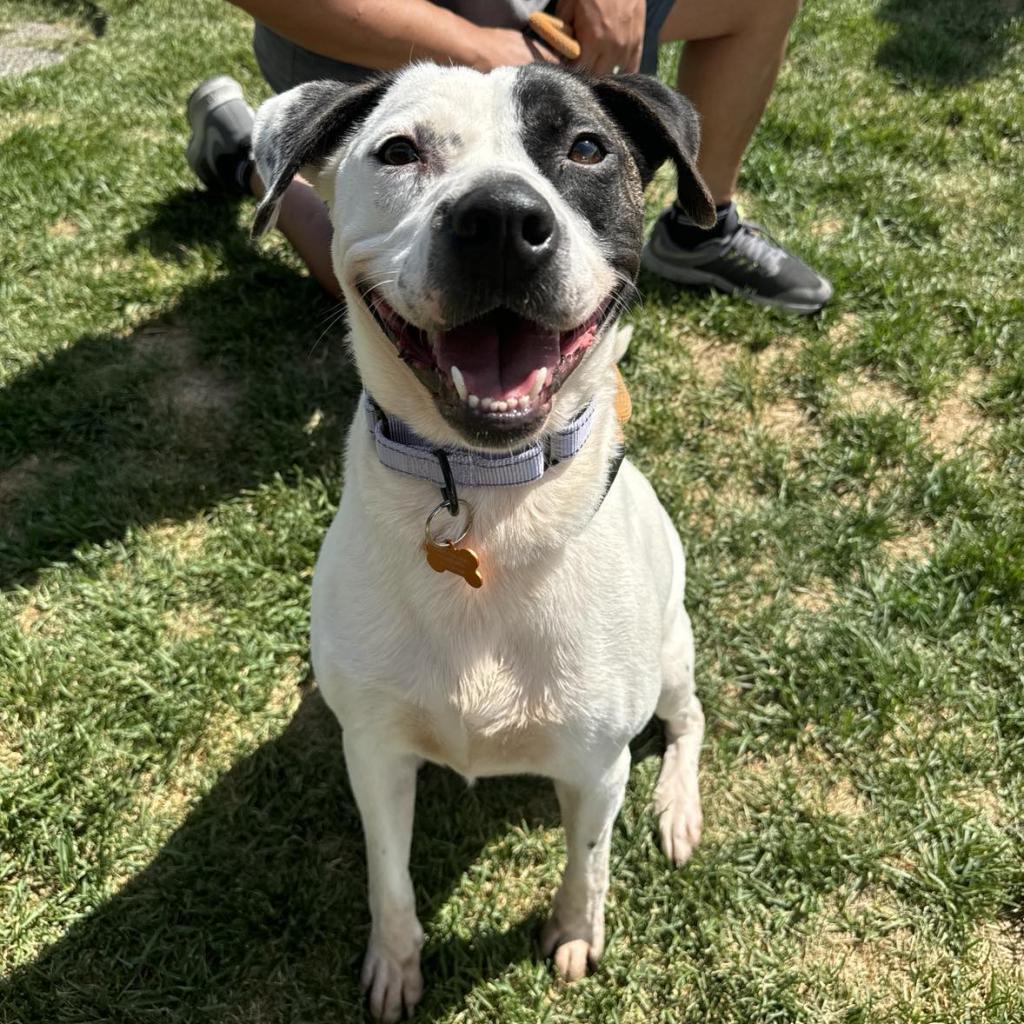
(610, 32)
(500, 47)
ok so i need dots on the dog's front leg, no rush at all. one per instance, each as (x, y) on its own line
(384, 784)
(575, 931)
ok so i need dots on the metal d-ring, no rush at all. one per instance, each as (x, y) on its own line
(431, 539)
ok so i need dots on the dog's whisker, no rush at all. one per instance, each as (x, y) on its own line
(338, 312)
(332, 311)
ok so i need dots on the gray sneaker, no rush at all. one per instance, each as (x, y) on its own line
(745, 261)
(221, 121)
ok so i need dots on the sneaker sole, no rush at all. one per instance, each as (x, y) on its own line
(232, 91)
(701, 278)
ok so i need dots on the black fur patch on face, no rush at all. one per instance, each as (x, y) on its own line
(556, 107)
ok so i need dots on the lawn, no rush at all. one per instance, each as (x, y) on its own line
(177, 838)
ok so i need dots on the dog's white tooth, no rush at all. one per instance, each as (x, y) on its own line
(499, 406)
(473, 401)
(538, 381)
(459, 382)
(513, 402)
(485, 404)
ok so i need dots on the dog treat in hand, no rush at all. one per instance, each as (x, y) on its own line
(554, 33)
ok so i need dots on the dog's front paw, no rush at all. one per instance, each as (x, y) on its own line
(677, 807)
(392, 983)
(576, 948)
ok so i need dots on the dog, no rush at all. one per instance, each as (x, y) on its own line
(487, 232)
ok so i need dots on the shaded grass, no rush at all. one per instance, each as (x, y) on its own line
(177, 839)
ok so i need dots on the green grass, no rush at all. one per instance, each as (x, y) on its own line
(177, 838)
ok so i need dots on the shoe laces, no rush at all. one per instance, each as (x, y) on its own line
(753, 242)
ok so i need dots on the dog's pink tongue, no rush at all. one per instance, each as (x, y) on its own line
(497, 354)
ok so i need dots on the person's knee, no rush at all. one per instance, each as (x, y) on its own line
(729, 18)
(774, 14)
(782, 12)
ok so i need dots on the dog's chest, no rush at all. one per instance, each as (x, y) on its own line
(492, 718)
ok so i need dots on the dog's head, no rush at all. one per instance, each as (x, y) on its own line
(486, 229)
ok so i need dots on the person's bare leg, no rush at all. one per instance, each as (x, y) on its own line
(733, 52)
(303, 220)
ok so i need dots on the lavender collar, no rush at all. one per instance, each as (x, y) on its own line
(400, 449)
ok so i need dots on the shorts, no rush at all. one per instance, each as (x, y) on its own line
(285, 64)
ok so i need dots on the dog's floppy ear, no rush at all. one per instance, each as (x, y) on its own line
(299, 129)
(659, 125)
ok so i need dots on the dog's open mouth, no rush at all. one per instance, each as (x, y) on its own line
(498, 370)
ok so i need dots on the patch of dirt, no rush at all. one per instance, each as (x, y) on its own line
(734, 496)
(1002, 947)
(171, 345)
(987, 805)
(15, 121)
(199, 394)
(843, 329)
(32, 45)
(785, 421)
(63, 227)
(870, 968)
(957, 421)
(900, 966)
(862, 393)
(827, 227)
(756, 780)
(818, 596)
(10, 756)
(770, 358)
(27, 618)
(842, 800)
(709, 358)
(183, 539)
(192, 390)
(20, 478)
(189, 622)
(23, 477)
(909, 547)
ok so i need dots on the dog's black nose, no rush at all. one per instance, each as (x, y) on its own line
(504, 224)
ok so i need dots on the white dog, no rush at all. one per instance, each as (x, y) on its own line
(486, 228)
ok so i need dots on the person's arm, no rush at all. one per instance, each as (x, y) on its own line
(386, 34)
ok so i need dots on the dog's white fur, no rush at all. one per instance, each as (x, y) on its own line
(579, 634)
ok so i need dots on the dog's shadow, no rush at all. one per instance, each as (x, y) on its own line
(246, 377)
(255, 908)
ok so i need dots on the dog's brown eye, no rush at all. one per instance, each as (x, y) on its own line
(586, 150)
(399, 151)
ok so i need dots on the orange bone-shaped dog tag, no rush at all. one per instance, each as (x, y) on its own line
(446, 557)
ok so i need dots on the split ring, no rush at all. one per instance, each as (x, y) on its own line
(431, 539)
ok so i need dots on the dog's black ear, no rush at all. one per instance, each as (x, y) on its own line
(299, 129)
(659, 125)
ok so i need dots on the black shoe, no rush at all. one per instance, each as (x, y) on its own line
(221, 121)
(744, 260)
